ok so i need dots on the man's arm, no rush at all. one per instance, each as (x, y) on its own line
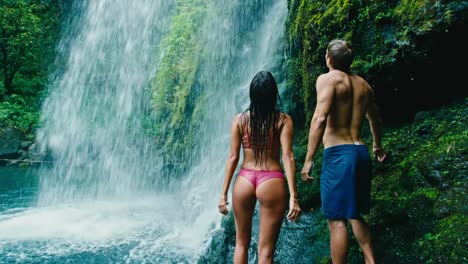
(325, 93)
(375, 123)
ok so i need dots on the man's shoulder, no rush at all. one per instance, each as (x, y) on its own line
(360, 81)
(330, 79)
(326, 79)
(332, 76)
(358, 78)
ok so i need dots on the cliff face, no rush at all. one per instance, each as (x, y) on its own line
(403, 49)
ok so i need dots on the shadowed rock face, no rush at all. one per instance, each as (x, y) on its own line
(10, 140)
(405, 49)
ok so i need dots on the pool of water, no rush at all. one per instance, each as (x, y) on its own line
(147, 229)
(18, 189)
(144, 230)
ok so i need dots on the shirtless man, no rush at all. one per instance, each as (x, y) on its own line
(343, 100)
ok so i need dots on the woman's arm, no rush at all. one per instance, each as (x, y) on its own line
(231, 164)
(286, 138)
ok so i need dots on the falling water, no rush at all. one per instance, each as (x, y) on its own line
(92, 120)
(103, 198)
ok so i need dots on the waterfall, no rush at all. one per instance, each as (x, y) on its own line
(92, 123)
(111, 116)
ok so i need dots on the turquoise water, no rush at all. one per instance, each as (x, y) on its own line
(126, 232)
(18, 189)
(90, 231)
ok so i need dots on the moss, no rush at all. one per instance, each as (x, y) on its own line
(447, 243)
(383, 33)
(420, 189)
(20, 112)
(175, 80)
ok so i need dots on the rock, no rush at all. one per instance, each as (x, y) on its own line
(10, 140)
(424, 130)
(437, 164)
(435, 176)
(34, 152)
(421, 116)
(25, 144)
(401, 147)
(23, 154)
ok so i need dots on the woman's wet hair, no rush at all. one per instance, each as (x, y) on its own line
(341, 55)
(264, 114)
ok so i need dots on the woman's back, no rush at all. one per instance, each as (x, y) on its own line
(271, 159)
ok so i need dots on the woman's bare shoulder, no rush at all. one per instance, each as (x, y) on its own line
(284, 120)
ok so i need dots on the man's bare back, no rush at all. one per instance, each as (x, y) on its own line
(350, 103)
(343, 100)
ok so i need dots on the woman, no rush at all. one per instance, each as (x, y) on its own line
(262, 130)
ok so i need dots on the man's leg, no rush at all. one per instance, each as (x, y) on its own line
(363, 236)
(338, 240)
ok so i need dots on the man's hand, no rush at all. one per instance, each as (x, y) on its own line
(379, 154)
(305, 173)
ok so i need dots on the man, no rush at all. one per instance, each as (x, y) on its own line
(343, 100)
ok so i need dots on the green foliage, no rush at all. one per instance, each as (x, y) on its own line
(20, 28)
(419, 191)
(28, 33)
(21, 113)
(448, 242)
(26, 41)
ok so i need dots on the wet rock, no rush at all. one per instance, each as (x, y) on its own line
(10, 140)
(435, 176)
(25, 144)
(23, 154)
(34, 152)
(424, 130)
(421, 116)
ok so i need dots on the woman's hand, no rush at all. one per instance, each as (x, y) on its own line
(222, 205)
(294, 209)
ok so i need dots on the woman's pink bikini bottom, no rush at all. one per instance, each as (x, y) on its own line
(256, 177)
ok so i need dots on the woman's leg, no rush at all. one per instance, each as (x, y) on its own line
(243, 203)
(272, 197)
